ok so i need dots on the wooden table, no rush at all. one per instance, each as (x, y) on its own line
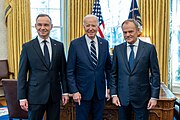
(165, 106)
(163, 111)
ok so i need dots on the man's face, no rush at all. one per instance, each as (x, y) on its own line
(91, 27)
(130, 32)
(43, 26)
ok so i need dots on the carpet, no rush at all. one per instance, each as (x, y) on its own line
(3, 111)
(4, 114)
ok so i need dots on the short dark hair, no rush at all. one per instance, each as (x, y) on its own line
(131, 20)
(44, 15)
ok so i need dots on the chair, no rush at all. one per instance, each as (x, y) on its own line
(4, 71)
(10, 91)
(177, 109)
(4, 74)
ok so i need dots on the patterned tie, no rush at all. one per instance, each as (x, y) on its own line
(93, 53)
(131, 57)
(46, 53)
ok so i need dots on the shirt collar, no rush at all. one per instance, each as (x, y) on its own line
(135, 44)
(89, 40)
(41, 40)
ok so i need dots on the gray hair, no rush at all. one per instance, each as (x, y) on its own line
(90, 16)
(133, 21)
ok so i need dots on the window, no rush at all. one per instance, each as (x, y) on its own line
(114, 13)
(175, 42)
(54, 8)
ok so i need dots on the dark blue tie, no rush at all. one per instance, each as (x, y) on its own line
(46, 53)
(131, 57)
(93, 53)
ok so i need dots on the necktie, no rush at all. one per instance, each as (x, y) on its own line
(131, 57)
(93, 53)
(46, 53)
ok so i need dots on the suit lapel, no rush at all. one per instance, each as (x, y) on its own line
(39, 51)
(86, 50)
(100, 48)
(54, 50)
(124, 56)
(139, 53)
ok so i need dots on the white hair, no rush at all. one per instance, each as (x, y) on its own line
(90, 16)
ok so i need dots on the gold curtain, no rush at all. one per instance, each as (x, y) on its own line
(17, 18)
(77, 9)
(155, 18)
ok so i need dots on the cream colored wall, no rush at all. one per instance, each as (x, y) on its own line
(3, 33)
(3, 37)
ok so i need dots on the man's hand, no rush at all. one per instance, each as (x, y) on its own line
(152, 103)
(115, 101)
(24, 104)
(65, 99)
(77, 97)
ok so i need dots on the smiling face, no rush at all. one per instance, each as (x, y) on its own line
(91, 26)
(130, 31)
(43, 26)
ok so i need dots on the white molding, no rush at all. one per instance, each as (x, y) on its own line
(145, 39)
(176, 88)
(3, 33)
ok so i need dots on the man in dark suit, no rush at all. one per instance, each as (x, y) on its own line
(88, 68)
(43, 61)
(130, 85)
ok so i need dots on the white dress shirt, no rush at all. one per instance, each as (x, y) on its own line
(88, 41)
(134, 49)
(48, 43)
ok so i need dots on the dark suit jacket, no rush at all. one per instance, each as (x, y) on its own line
(42, 81)
(135, 86)
(82, 75)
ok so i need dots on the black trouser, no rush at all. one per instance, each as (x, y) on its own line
(36, 111)
(125, 113)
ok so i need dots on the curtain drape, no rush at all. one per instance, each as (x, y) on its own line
(17, 19)
(77, 10)
(155, 16)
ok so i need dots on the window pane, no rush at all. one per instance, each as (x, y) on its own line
(114, 13)
(54, 3)
(56, 34)
(175, 41)
(55, 15)
(34, 33)
(54, 8)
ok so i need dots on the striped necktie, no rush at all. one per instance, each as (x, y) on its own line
(93, 53)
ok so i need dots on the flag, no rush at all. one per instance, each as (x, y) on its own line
(8, 9)
(97, 11)
(134, 13)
